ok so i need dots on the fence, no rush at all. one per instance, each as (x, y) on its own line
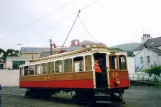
(144, 79)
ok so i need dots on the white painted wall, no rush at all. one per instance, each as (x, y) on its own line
(9, 61)
(9, 77)
(131, 65)
(154, 58)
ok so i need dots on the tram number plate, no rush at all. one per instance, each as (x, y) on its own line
(115, 74)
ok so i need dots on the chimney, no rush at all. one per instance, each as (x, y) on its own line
(145, 37)
(75, 42)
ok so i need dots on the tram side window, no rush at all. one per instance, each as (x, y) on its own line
(58, 66)
(68, 65)
(37, 69)
(43, 67)
(50, 67)
(26, 70)
(113, 62)
(78, 64)
(88, 62)
(31, 70)
(122, 62)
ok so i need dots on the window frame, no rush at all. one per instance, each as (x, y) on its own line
(33, 69)
(48, 67)
(61, 67)
(86, 62)
(42, 68)
(125, 62)
(115, 64)
(78, 61)
(71, 65)
(25, 71)
(141, 60)
(148, 59)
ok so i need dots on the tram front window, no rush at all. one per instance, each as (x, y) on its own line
(113, 62)
(122, 62)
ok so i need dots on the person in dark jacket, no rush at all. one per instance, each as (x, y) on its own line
(0, 94)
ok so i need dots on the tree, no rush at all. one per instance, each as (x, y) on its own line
(1, 55)
(10, 52)
(156, 70)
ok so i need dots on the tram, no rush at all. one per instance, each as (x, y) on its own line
(94, 74)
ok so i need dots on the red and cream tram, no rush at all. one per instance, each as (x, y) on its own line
(87, 71)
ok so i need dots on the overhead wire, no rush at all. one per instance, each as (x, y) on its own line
(86, 29)
(40, 18)
(65, 18)
(55, 24)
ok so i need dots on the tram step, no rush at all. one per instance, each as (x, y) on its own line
(102, 97)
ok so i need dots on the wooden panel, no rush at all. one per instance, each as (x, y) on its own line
(58, 77)
(83, 75)
(48, 77)
(30, 78)
(68, 76)
(118, 74)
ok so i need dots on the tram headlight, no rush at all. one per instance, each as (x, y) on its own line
(117, 82)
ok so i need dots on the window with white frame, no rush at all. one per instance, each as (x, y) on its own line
(141, 60)
(148, 59)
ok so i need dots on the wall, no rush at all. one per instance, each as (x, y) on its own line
(131, 65)
(154, 58)
(30, 55)
(9, 61)
(9, 77)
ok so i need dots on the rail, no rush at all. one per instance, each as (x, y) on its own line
(144, 79)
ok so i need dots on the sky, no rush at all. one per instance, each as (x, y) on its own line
(31, 23)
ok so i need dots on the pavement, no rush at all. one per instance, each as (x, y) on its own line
(135, 96)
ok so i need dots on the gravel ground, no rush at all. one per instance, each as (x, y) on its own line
(136, 96)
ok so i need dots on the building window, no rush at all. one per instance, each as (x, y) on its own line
(148, 59)
(16, 64)
(141, 60)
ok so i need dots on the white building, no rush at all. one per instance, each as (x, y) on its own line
(147, 54)
(14, 62)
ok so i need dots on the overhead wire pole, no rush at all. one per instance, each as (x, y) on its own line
(70, 30)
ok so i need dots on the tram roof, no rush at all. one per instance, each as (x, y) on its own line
(93, 49)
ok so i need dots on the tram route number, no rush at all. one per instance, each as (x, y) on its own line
(114, 74)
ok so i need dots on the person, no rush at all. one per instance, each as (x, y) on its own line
(0, 94)
(98, 72)
(100, 69)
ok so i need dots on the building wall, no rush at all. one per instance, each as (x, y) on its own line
(9, 62)
(131, 65)
(159, 60)
(154, 59)
(9, 77)
(30, 55)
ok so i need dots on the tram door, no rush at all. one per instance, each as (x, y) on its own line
(100, 70)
